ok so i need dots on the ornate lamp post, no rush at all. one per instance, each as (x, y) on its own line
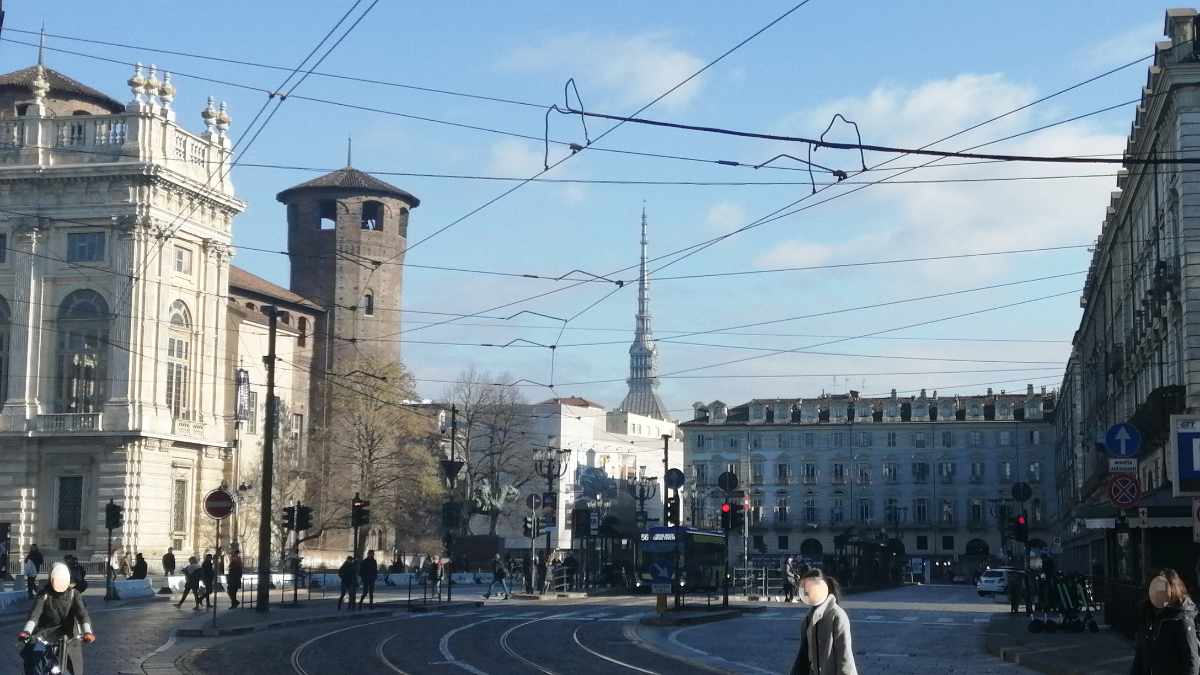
(600, 507)
(451, 510)
(643, 488)
(550, 463)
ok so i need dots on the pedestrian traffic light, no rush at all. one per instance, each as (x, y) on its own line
(726, 517)
(289, 518)
(737, 516)
(114, 515)
(359, 514)
(304, 519)
(1021, 529)
(527, 530)
(672, 511)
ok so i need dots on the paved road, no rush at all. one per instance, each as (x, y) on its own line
(912, 630)
(915, 629)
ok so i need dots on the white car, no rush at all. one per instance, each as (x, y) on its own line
(994, 582)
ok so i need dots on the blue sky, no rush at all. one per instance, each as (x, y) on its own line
(907, 72)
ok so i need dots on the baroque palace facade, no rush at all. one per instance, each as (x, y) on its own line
(124, 326)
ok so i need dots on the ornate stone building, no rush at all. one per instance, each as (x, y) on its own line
(114, 265)
(932, 472)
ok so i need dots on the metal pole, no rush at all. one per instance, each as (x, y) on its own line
(268, 470)
(666, 467)
(212, 591)
(108, 567)
(296, 560)
(449, 533)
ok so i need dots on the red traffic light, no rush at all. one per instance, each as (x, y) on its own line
(725, 508)
(1020, 520)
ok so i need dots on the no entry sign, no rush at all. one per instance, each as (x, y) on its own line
(218, 504)
(1123, 490)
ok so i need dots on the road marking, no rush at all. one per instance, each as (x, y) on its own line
(875, 617)
(511, 652)
(673, 638)
(444, 648)
(575, 636)
(387, 662)
(304, 645)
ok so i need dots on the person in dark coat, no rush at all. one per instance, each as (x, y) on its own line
(139, 568)
(78, 573)
(168, 561)
(208, 574)
(368, 572)
(58, 614)
(191, 582)
(348, 573)
(36, 556)
(233, 578)
(1166, 642)
(499, 576)
(1016, 591)
(825, 646)
(527, 569)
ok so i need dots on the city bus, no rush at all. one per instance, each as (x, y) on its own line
(699, 554)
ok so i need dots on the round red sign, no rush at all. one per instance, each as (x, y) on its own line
(1123, 490)
(218, 504)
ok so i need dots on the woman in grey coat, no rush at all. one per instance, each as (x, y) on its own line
(825, 647)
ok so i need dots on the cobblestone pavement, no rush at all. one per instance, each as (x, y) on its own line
(915, 629)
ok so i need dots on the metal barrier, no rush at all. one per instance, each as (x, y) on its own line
(762, 582)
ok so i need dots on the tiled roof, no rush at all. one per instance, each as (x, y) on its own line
(350, 178)
(60, 85)
(252, 283)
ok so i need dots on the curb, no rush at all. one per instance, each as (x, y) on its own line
(693, 620)
(277, 625)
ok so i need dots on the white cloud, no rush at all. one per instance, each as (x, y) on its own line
(631, 70)
(1125, 47)
(515, 158)
(942, 218)
(794, 254)
(725, 216)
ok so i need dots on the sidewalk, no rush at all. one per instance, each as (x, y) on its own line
(1103, 653)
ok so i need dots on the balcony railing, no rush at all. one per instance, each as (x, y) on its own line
(67, 423)
(188, 428)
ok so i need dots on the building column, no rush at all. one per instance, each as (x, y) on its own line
(30, 236)
(117, 413)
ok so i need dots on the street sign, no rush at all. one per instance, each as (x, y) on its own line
(674, 479)
(1183, 460)
(1123, 465)
(1021, 491)
(660, 577)
(534, 501)
(595, 523)
(727, 481)
(218, 504)
(1123, 440)
(1196, 519)
(1123, 490)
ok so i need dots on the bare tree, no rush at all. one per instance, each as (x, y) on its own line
(493, 422)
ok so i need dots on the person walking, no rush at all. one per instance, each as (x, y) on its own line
(1166, 642)
(499, 576)
(789, 589)
(1016, 590)
(29, 569)
(208, 575)
(368, 572)
(58, 614)
(191, 582)
(123, 565)
(36, 556)
(825, 647)
(78, 574)
(349, 577)
(139, 568)
(233, 578)
(168, 563)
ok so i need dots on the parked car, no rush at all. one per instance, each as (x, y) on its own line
(994, 581)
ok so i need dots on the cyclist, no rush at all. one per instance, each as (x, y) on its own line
(58, 616)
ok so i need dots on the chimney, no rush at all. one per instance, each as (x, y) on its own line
(922, 393)
(1029, 390)
(1043, 390)
(989, 391)
(893, 393)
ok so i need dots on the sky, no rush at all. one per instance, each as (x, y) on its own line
(906, 72)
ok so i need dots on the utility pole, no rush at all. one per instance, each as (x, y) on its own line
(449, 532)
(268, 469)
(666, 439)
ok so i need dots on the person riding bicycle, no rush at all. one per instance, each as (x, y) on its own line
(58, 616)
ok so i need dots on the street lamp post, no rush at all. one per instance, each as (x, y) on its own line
(550, 463)
(643, 488)
(600, 506)
(451, 511)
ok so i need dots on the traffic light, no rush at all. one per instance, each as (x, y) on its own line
(359, 514)
(114, 515)
(726, 517)
(673, 511)
(527, 529)
(289, 518)
(304, 519)
(737, 516)
(1021, 529)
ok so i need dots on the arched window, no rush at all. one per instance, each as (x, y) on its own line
(368, 303)
(5, 318)
(179, 354)
(372, 216)
(83, 324)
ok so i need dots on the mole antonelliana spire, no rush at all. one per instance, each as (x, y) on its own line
(642, 398)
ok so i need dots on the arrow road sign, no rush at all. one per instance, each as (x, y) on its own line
(1123, 490)
(1123, 440)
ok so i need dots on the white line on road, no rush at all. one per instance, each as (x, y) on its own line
(300, 650)
(673, 638)
(575, 636)
(444, 648)
(511, 652)
(874, 617)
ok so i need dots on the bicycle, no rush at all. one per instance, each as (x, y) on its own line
(47, 654)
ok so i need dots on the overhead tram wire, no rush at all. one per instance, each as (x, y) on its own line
(692, 249)
(606, 132)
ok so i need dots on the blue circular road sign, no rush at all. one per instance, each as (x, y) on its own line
(1123, 440)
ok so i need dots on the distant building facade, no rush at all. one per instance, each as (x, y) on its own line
(935, 473)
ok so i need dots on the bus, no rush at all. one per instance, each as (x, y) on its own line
(700, 554)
